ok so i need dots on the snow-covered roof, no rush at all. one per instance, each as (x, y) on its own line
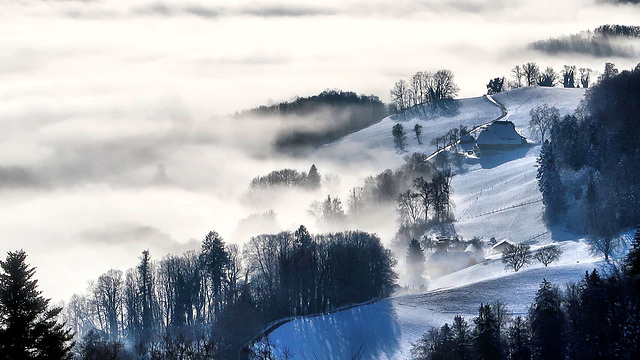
(500, 133)
(503, 242)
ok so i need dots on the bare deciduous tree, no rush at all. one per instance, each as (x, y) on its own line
(548, 254)
(542, 118)
(516, 256)
(530, 72)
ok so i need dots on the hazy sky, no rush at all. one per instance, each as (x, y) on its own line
(114, 138)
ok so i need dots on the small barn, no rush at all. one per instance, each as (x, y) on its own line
(499, 247)
(500, 135)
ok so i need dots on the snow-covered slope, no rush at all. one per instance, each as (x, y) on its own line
(376, 141)
(495, 196)
(386, 329)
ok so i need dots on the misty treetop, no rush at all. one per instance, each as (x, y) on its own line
(601, 42)
(288, 178)
(333, 113)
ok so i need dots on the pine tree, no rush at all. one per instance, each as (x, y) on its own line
(633, 259)
(550, 184)
(519, 340)
(547, 323)
(461, 338)
(486, 340)
(214, 260)
(28, 327)
(312, 180)
(415, 263)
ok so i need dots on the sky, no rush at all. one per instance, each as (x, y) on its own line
(115, 130)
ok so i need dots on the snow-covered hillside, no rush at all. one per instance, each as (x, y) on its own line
(494, 196)
(386, 329)
(376, 141)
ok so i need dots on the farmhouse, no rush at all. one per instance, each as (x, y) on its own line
(500, 135)
(500, 246)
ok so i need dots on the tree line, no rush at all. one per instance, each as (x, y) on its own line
(377, 192)
(530, 74)
(424, 87)
(287, 178)
(212, 302)
(589, 167)
(603, 41)
(595, 318)
(334, 113)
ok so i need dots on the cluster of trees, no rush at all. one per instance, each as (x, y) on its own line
(596, 318)
(424, 88)
(287, 178)
(601, 42)
(428, 200)
(530, 74)
(377, 192)
(618, 30)
(209, 304)
(517, 256)
(589, 167)
(334, 113)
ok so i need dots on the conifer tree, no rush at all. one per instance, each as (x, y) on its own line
(28, 327)
(486, 340)
(312, 180)
(633, 259)
(547, 323)
(519, 340)
(415, 263)
(550, 184)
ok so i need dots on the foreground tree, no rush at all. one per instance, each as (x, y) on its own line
(486, 337)
(28, 327)
(516, 256)
(633, 259)
(547, 323)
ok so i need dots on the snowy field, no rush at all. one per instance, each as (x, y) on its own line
(386, 329)
(494, 196)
